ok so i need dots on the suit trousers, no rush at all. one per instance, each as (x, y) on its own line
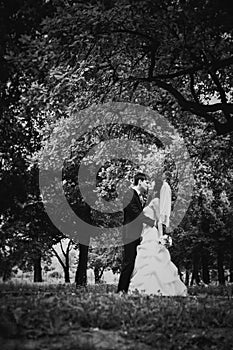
(164, 229)
(129, 256)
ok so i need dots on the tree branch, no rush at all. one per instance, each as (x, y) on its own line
(138, 60)
(58, 257)
(188, 105)
(154, 47)
(69, 246)
(221, 93)
(194, 107)
(61, 246)
(191, 70)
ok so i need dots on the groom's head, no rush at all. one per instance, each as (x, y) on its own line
(141, 182)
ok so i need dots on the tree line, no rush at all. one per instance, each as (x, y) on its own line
(60, 57)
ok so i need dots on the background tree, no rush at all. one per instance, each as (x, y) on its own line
(65, 259)
(174, 48)
(173, 56)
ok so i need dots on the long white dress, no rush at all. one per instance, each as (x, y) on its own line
(154, 272)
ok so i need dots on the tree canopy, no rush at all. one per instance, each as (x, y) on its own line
(60, 57)
(138, 51)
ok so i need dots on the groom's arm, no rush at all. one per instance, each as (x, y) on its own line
(146, 220)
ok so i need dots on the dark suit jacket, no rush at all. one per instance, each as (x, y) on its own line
(133, 217)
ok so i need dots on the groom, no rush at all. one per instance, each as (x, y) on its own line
(132, 229)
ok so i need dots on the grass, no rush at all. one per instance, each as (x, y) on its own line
(63, 317)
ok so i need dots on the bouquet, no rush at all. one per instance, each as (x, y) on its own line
(166, 240)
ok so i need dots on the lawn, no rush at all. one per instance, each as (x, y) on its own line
(62, 317)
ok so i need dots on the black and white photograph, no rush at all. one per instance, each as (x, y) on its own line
(116, 175)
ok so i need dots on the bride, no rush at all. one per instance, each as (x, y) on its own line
(154, 272)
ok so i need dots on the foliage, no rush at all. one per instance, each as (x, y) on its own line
(60, 57)
(23, 220)
(26, 231)
(102, 256)
(179, 49)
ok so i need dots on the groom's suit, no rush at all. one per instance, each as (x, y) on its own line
(132, 229)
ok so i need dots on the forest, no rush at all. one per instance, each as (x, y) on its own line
(59, 58)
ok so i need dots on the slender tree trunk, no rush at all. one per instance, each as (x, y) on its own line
(37, 269)
(195, 270)
(81, 273)
(67, 274)
(67, 265)
(97, 275)
(205, 266)
(231, 263)
(186, 278)
(220, 260)
(180, 274)
(6, 274)
(6, 270)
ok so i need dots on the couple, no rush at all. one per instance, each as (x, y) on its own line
(147, 265)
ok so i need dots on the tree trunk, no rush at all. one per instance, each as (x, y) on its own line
(67, 264)
(180, 274)
(37, 269)
(187, 278)
(220, 260)
(97, 275)
(231, 263)
(195, 270)
(67, 274)
(81, 273)
(7, 271)
(205, 266)
(84, 213)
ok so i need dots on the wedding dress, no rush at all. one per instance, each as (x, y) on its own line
(154, 272)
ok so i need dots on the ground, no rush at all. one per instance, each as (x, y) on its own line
(38, 316)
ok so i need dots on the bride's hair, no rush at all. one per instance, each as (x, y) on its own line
(157, 186)
(156, 190)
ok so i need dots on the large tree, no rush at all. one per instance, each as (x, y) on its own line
(95, 51)
(174, 56)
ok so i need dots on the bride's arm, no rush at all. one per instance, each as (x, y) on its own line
(158, 217)
(160, 229)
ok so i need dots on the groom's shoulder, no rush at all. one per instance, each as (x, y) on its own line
(129, 193)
